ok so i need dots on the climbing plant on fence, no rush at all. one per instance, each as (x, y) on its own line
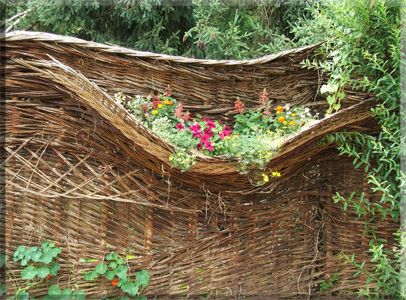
(366, 55)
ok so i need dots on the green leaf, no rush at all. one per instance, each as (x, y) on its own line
(44, 245)
(124, 298)
(110, 274)
(121, 272)
(3, 260)
(101, 268)
(53, 269)
(91, 276)
(54, 290)
(2, 289)
(130, 288)
(24, 262)
(143, 277)
(112, 256)
(54, 252)
(46, 258)
(36, 255)
(120, 261)
(67, 292)
(331, 100)
(142, 297)
(42, 272)
(23, 295)
(78, 295)
(113, 264)
(29, 273)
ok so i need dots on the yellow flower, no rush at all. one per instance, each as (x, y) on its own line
(293, 115)
(276, 174)
(266, 178)
(278, 112)
(281, 119)
(166, 102)
(285, 122)
(234, 144)
(291, 123)
(154, 112)
(279, 108)
(170, 158)
(183, 162)
(159, 105)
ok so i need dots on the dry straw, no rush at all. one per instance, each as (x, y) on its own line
(81, 171)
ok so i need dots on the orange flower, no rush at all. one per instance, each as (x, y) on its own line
(114, 282)
(279, 108)
(291, 123)
(49, 276)
(281, 119)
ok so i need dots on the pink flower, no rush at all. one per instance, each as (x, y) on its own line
(208, 132)
(225, 132)
(263, 99)
(210, 124)
(204, 138)
(179, 126)
(208, 146)
(195, 128)
(197, 134)
(199, 146)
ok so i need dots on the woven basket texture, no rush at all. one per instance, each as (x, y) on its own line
(81, 171)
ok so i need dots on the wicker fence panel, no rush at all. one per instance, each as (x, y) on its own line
(83, 173)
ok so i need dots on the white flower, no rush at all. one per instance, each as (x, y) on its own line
(307, 109)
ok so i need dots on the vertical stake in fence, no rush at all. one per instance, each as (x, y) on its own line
(58, 200)
(105, 215)
(149, 228)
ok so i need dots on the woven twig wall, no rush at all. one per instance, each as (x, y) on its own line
(83, 173)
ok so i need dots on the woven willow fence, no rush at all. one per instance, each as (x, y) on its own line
(82, 172)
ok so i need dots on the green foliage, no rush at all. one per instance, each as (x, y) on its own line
(115, 270)
(366, 55)
(42, 264)
(324, 286)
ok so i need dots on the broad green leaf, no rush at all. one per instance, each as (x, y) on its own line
(54, 290)
(42, 272)
(36, 255)
(113, 264)
(124, 298)
(67, 292)
(54, 252)
(142, 277)
(78, 295)
(91, 276)
(131, 288)
(112, 256)
(29, 273)
(44, 245)
(47, 297)
(121, 272)
(2, 289)
(20, 249)
(110, 274)
(51, 245)
(142, 297)
(101, 268)
(34, 249)
(120, 261)
(23, 295)
(3, 260)
(53, 269)
(46, 258)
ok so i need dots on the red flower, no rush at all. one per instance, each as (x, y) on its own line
(225, 132)
(155, 104)
(49, 276)
(114, 282)
(204, 138)
(239, 106)
(199, 146)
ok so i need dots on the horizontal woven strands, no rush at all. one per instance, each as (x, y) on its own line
(81, 171)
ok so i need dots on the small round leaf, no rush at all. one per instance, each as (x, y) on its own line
(29, 273)
(42, 272)
(113, 264)
(67, 292)
(110, 274)
(54, 290)
(53, 269)
(101, 268)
